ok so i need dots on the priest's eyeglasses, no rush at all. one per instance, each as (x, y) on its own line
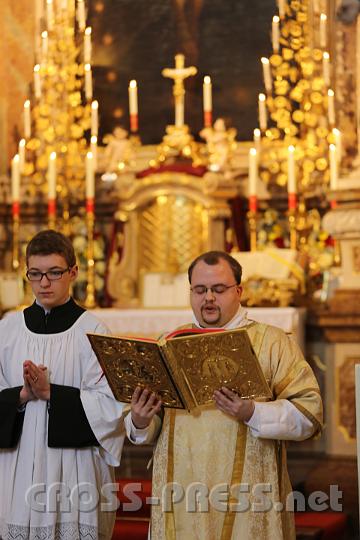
(51, 275)
(220, 288)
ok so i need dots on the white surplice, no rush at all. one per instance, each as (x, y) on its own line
(70, 362)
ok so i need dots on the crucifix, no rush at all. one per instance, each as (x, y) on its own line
(179, 74)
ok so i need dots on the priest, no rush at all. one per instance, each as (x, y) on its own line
(61, 430)
(224, 464)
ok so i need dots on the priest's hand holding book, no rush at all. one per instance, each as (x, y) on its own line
(144, 406)
(230, 403)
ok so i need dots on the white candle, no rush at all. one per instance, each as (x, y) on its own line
(338, 143)
(27, 119)
(87, 45)
(44, 46)
(49, 14)
(253, 172)
(37, 81)
(90, 177)
(93, 142)
(331, 107)
(133, 100)
(15, 179)
(267, 73)
(333, 167)
(88, 82)
(52, 177)
(207, 94)
(323, 30)
(326, 68)
(275, 33)
(281, 5)
(22, 154)
(81, 18)
(291, 170)
(262, 112)
(257, 139)
(94, 118)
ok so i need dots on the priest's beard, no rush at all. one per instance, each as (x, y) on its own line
(211, 314)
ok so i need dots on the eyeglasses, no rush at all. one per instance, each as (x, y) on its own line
(220, 288)
(51, 275)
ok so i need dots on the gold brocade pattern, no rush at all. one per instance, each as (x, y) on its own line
(190, 444)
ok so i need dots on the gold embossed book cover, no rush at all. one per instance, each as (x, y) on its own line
(184, 368)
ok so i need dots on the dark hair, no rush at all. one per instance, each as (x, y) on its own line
(49, 242)
(212, 258)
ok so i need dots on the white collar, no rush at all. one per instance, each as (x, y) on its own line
(239, 320)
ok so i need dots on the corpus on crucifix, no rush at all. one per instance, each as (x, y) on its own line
(179, 74)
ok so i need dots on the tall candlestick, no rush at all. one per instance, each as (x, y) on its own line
(326, 68)
(93, 142)
(87, 45)
(90, 182)
(81, 17)
(50, 14)
(275, 34)
(15, 179)
(338, 144)
(88, 82)
(267, 74)
(133, 106)
(21, 151)
(253, 172)
(262, 112)
(37, 82)
(331, 107)
(94, 118)
(323, 30)
(207, 101)
(52, 177)
(44, 46)
(291, 171)
(281, 6)
(333, 167)
(27, 119)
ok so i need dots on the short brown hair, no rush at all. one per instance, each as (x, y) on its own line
(212, 258)
(49, 242)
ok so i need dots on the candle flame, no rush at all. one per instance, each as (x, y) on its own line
(326, 55)
(257, 133)
(27, 104)
(93, 139)
(87, 67)
(291, 148)
(89, 155)
(207, 79)
(323, 17)
(332, 147)
(16, 158)
(22, 142)
(132, 84)
(330, 93)
(88, 31)
(95, 105)
(253, 151)
(336, 132)
(276, 19)
(53, 155)
(264, 60)
(262, 97)
(37, 68)
(44, 34)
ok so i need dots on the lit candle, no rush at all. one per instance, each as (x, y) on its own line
(22, 154)
(37, 82)
(331, 107)
(93, 141)
(267, 74)
(49, 14)
(262, 112)
(323, 30)
(291, 178)
(81, 18)
(90, 183)
(326, 68)
(52, 180)
(133, 106)
(27, 119)
(87, 45)
(338, 144)
(207, 101)
(15, 183)
(333, 167)
(275, 33)
(257, 139)
(94, 118)
(281, 5)
(88, 82)
(44, 45)
(253, 178)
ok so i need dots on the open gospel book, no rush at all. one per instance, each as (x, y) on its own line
(184, 368)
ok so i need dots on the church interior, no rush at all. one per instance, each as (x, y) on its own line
(150, 132)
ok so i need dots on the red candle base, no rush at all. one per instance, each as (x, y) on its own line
(253, 203)
(16, 209)
(207, 118)
(51, 208)
(333, 205)
(134, 123)
(90, 205)
(292, 201)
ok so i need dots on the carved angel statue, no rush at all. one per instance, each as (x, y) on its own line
(118, 149)
(220, 144)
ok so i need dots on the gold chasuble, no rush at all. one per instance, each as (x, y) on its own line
(241, 481)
